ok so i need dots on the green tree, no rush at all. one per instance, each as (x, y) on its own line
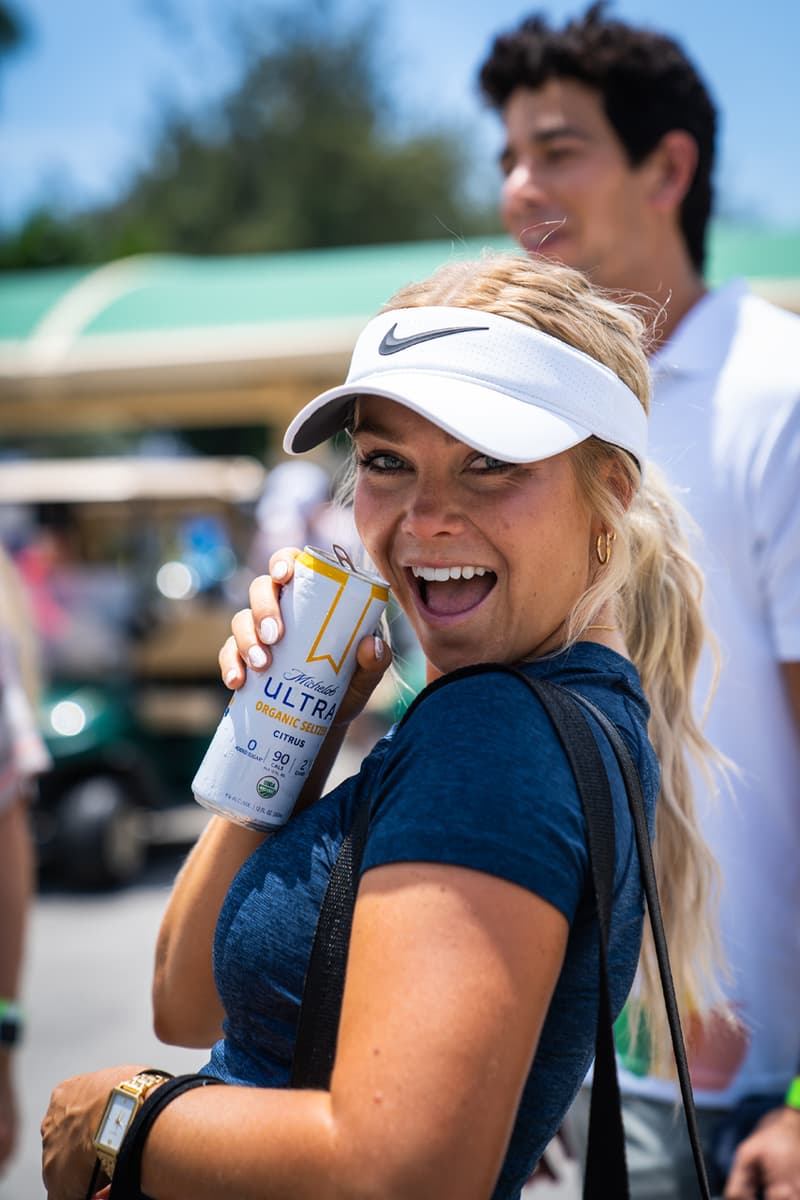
(299, 154)
(12, 29)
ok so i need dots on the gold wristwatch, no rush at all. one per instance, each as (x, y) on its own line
(124, 1101)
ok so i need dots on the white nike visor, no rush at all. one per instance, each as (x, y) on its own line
(502, 387)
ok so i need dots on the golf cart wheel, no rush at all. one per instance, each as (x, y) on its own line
(102, 834)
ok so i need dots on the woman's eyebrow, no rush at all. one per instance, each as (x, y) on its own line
(374, 428)
(370, 426)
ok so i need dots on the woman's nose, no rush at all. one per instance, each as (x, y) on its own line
(433, 509)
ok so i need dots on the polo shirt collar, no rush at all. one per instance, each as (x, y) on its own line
(706, 329)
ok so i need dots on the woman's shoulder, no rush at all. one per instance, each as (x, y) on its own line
(492, 696)
(484, 712)
(476, 776)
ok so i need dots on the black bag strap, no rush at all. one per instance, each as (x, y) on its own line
(606, 1170)
(127, 1181)
(633, 788)
(321, 1005)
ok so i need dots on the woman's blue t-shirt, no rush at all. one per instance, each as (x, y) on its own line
(476, 778)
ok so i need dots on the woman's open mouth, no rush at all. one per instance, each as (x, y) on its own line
(451, 591)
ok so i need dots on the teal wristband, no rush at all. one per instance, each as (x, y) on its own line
(11, 1023)
(792, 1099)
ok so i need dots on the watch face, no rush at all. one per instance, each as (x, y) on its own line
(120, 1110)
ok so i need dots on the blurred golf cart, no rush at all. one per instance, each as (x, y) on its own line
(134, 566)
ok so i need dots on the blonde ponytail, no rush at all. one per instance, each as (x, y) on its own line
(657, 592)
(665, 632)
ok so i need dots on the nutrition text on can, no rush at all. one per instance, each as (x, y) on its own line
(269, 735)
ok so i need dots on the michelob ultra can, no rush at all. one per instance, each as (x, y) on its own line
(269, 735)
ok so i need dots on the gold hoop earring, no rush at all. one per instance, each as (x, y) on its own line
(602, 546)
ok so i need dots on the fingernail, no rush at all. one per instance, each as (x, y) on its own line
(232, 676)
(256, 657)
(280, 570)
(268, 631)
(378, 647)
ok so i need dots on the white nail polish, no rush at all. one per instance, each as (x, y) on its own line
(232, 676)
(268, 631)
(378, 647)
(256, 657)
(280, 570)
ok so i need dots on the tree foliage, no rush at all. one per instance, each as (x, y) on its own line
(299, 154)
(12, 29)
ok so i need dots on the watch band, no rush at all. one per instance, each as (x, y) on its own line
(138, 1087)
(127, 1181)
(12, 1023)
(792, 1098)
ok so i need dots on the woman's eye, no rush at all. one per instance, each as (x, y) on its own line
(485, 462)
(380, 461)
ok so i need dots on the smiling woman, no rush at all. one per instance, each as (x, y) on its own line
(432, 508)
(497, 413)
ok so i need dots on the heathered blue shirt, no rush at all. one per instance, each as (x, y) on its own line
(476, 778)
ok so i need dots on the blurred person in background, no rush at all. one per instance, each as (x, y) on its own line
(295, 509)
(608, 156)
(22, 757)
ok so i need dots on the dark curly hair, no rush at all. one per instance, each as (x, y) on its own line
(647, 84)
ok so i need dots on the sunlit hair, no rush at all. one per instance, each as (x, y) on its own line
(653, 584)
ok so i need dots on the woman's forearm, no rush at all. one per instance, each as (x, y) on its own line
(254, 1143)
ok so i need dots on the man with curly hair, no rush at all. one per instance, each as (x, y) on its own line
(607, 163)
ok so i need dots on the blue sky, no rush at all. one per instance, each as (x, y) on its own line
(79, 104)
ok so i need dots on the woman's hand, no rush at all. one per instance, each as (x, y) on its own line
(257, 628)
(69, 1125)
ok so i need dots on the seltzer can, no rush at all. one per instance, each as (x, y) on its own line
(259, 758)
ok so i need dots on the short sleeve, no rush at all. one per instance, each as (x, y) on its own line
(477, 778)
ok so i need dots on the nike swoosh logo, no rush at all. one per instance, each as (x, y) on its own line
(393, 345)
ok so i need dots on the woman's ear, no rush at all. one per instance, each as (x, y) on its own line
(619, 479)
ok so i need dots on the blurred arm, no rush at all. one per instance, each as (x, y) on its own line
(767, 1163)
(16, 888)
(791, 676)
